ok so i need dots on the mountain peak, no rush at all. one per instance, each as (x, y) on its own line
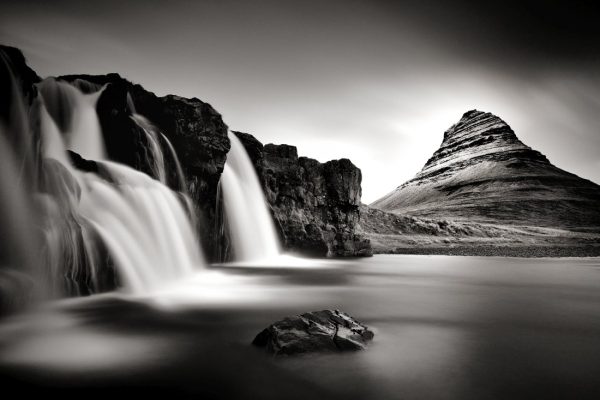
(472, 113)
(476, 134)
(482, 171)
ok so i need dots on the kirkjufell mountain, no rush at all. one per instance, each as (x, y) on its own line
(483, 173)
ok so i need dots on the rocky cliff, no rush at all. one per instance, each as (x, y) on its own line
(482, 172)
(316, 206)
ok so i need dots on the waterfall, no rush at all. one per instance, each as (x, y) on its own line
(155, 153)
(66, 230)
(75, 116)
(19, 238)
(140, 220)
(248, 220)
(160, 165)
(143, 224)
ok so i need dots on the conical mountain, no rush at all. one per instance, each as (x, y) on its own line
(483, 172)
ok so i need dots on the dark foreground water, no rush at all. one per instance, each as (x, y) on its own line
(446, 327)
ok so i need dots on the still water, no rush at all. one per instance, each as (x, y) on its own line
(445, 328)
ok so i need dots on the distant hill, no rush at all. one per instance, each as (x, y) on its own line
(482, 172)
(485, 192)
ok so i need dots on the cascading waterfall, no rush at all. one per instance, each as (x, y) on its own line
(248, 220)
(143, 224)
(155, 152)
(85, 221)
(160, 164)
(140, 220)
(75, 117)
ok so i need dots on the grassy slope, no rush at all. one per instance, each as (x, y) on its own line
(404, 234)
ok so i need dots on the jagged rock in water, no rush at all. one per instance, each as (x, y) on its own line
(315, 205)
(317, 331)
(483, 172)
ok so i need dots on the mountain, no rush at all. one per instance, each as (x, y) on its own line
(483, 173)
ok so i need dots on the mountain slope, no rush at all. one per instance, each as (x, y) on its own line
(482, 172)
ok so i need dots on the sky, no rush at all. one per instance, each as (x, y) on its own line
(377, 82)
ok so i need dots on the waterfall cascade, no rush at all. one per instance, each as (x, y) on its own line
(140, 223)
(140, 220)
(248, 220)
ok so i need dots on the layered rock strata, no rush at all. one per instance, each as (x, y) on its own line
(483, 172)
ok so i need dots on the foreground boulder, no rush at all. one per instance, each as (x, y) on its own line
(317, 331)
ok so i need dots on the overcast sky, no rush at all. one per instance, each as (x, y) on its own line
(377, 82)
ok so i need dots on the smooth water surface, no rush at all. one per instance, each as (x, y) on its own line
(446, 327)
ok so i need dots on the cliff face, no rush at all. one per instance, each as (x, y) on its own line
(483, 172)
(316, 206)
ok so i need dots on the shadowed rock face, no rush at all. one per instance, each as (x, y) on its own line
(483, 172)
(317, 331)
(316, 206)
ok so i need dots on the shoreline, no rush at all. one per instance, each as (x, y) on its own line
(498, 251)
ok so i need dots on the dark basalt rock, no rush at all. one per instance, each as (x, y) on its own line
(81, 163)
(317, 331)
(315, 205)
(482, 172)
(13, 59)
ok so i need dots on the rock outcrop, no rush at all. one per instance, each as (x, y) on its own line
(317, 331)
(316, 206)
(482, 172)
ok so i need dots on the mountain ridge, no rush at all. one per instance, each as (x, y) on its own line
(483, 172)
